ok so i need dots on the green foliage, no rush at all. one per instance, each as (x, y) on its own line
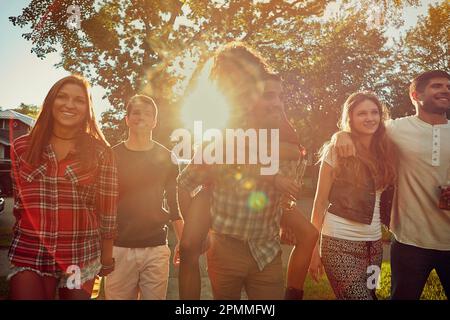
(130, 47)
(28, 109)
(427, 45)
(343, 57)
(424, 47)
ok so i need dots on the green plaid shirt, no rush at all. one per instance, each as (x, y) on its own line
(243, 206)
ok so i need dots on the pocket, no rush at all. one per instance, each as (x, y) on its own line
(28, 188)
(167, 252)
(77, 175)
(84, 182)
(28, 173)
(79, 194)
(117, 253)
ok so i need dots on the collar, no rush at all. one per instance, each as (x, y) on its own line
(428, 125)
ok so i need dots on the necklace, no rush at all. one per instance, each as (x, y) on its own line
(63, 138)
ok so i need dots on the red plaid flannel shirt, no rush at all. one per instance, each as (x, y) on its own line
(62, 211)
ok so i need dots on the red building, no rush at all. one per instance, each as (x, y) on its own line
(12, 125)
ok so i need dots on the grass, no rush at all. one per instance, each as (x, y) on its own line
(318, 291)
(322, 291)
(98, 292)
(433, 288)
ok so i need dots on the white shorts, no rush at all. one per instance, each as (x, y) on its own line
(139, 273)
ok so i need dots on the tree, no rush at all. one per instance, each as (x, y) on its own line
(424, 47)
(130, 46)
(28, 109)
(140, 46)
(342, 57)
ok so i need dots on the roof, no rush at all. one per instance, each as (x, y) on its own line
(4, 141)
(10, 114)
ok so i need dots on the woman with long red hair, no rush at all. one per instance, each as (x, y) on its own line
(65, 192)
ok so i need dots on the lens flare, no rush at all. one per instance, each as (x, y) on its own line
(257, 201)
(206, 103)
(248, 184)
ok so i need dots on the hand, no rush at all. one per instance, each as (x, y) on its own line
(287, 202)
(286, 185)
(446, 192)
(287, 236)
(176, 255)
(162, 218)
(107, 267)
(316, 267)
(343, 144)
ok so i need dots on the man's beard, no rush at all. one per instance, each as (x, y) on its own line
(430, 107)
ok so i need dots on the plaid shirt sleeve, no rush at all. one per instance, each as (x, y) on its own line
(287, 168)
(107, 195)
(193, 176)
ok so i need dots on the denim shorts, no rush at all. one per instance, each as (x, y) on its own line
(87, 273)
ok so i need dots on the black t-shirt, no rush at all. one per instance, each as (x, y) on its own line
(146, 181)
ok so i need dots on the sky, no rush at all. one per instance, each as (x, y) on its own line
(26, 78)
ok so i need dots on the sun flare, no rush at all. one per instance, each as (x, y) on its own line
(206, 103)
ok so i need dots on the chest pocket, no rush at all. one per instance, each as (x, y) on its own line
(28, 173)
(29, 180)
(83, 182)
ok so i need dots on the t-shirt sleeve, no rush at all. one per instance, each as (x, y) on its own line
(171, 185)
(193, 176)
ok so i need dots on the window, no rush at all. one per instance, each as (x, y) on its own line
(7, 152)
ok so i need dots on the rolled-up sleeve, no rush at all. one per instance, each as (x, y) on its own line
(192, 177)
(288, 168)
(107, 195)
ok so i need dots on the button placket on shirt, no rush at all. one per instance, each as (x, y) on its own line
(436, 147)
(53, 181)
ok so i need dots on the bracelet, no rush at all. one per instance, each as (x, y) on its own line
(111, 266)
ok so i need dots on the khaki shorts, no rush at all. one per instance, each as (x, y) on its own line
(140, 273)
(231, 267)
